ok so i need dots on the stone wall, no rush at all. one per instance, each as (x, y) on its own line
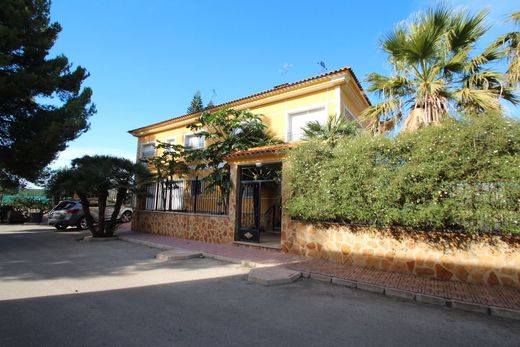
(201, 227)
(490, 260)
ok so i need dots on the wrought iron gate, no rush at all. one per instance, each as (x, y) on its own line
(259, 207)
(249, 218)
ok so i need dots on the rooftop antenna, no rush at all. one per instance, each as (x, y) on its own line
(321, 63)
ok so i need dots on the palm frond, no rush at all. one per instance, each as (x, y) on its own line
(475, 101)
(381, 112)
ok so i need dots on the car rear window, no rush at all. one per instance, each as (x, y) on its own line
(65, 205)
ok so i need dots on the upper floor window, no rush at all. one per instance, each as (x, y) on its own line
(298, 121)
(193, 141)
(147, 150)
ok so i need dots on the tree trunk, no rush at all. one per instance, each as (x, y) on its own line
(112, 223)
(102, 204)
(85, 205)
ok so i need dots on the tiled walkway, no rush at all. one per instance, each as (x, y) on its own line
(502, 297)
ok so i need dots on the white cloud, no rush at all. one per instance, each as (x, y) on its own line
(65, 157)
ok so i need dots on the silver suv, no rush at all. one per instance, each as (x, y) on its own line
(70, 213)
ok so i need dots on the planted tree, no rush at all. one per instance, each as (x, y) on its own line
(226, 131)
(96, 176)
(436, 72)
(42, 103)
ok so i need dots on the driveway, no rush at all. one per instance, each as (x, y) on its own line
(56, 290)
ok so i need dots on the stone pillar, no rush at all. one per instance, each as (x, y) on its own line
(233, 199)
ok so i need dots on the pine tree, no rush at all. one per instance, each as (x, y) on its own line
(196, 104)
(42, 104)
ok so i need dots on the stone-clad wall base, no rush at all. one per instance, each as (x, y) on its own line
(491, 260)
(207, 228)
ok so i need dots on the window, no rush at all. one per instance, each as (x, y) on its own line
(195, 187)
(193, 141)
(170, 140)
(151, 191)
(147, 150)
(298, 121)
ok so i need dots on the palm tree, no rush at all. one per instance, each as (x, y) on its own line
(335, 128)
(510, 48)
(435, 73)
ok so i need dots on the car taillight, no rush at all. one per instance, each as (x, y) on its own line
(73, 211)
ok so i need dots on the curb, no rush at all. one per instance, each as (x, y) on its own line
(245, 263)
(500, 312)
(145, 243)
(99, 239)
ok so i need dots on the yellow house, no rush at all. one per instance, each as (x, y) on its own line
(253, 212)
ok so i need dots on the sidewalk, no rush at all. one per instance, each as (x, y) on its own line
(498, 301)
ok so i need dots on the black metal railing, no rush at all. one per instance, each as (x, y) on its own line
(189, 196)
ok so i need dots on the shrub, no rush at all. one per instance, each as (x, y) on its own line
(462, 175)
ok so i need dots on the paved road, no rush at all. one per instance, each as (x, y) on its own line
(57, 291)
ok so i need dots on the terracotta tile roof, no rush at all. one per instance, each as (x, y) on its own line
(274, 89)
(272, 149)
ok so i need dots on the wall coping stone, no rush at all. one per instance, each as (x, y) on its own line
(185, 213)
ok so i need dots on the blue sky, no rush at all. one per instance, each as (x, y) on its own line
(148, 57)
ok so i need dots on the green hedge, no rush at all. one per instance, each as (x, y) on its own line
(462, 175)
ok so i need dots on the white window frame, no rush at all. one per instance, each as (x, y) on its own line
(171, 140)
(294, 111)
(202, 139)
(141, 154)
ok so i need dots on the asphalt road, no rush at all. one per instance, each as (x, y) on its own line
(57, 291)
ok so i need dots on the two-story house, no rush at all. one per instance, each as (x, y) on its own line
(253, 210)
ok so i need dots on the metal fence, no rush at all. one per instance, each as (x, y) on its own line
(190, 196)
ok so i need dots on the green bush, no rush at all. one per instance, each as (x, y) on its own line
(462, 175)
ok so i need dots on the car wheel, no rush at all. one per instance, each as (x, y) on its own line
(126, 217)
(82, 224)
(60, 227)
